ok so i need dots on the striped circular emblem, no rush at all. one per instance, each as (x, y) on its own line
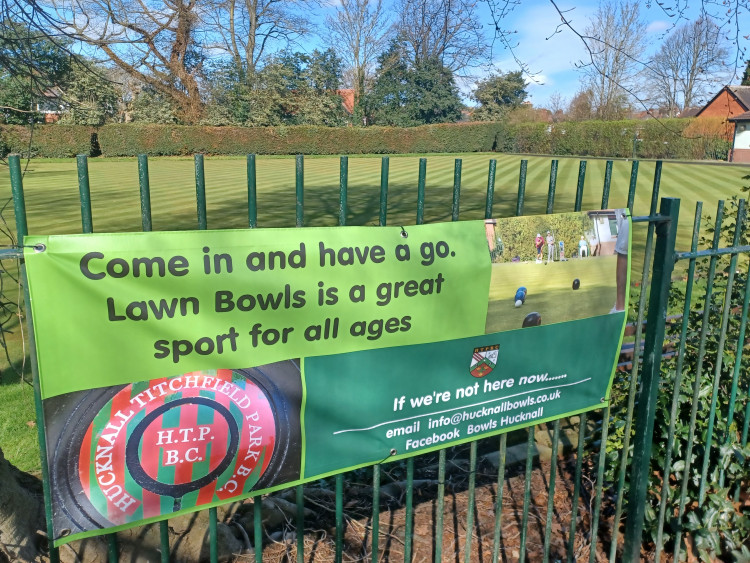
(166, 444)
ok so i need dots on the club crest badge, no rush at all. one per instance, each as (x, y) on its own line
(483, 360)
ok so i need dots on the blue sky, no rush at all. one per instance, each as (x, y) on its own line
(553, 56)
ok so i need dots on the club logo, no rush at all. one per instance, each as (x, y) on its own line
(483, 360)
(162, 445)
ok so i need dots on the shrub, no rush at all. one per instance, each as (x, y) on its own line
(133, 139)
(670, 138)
(47, 141)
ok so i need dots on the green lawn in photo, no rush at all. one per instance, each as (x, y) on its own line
(550, 291)
(52, 201)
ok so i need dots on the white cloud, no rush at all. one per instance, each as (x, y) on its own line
(658, 26)
(550, 51)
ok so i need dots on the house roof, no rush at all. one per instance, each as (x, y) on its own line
(741, 117)
(743, 95)
(347, 99)
(690, 112)
(739, 93)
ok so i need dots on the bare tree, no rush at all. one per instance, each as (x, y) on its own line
(688, 65)
(580, 108)
(557, 105)
(616, 40)
(154, 42)
(249, 29)
(445, 30)
(359, 30)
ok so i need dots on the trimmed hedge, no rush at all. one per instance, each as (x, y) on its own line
(48, 141)
(130, 140)
(670, 138)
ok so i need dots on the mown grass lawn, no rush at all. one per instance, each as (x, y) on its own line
(51, 191)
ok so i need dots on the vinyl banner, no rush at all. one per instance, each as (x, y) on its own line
(182, 370)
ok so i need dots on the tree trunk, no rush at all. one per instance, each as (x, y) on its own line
(21, 514)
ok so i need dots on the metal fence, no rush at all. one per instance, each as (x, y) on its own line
(661, 470)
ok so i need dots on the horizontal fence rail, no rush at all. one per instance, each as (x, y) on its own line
(601, 464)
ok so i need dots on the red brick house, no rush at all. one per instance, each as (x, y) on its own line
(729, 102)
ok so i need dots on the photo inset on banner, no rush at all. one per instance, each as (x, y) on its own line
(118, 455)
(554, 268)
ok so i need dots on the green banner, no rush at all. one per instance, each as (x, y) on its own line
(183, 370)
(429, 396)
(175, 302)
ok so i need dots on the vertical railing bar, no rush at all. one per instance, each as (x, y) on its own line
(258, 527)
(552, 186)
(113, 552)
(746, 424)
(738, 360)
(607, 184)
(299, 179)
(526, 492)
(579, 186)
(440, 507)
(698, 379)
(343, 187)
(551, 489)
(502, 454)
(720, 352)
(599, 485)
(636, 357)
(490, 189)
(384, 169)
(19, 207)
(164, 541)
(339, 518)
(646, 398)
(213, 537)
(200, 192)
(375, 513)
(470, 500)
(300, 523)
(87, 226)
(85, 193)
(677, 383)
(19, 199)
(456, 189)
(521, 187)
(145, 190)
(576, 487)
(735, 376)
(420, 190)
(252, 192)
(633, 184)
(384, 165)
(409, 512)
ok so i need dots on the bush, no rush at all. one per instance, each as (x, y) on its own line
(132, 139)
(48, 141)
(694, 139)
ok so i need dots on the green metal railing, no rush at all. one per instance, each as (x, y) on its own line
(608, 483)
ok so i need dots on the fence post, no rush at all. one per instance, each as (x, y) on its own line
(664, 258)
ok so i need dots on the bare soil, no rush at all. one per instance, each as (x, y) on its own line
(320, 545)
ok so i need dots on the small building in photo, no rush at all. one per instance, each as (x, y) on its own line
(603, 236)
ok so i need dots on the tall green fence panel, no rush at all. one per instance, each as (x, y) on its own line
(650, 473)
